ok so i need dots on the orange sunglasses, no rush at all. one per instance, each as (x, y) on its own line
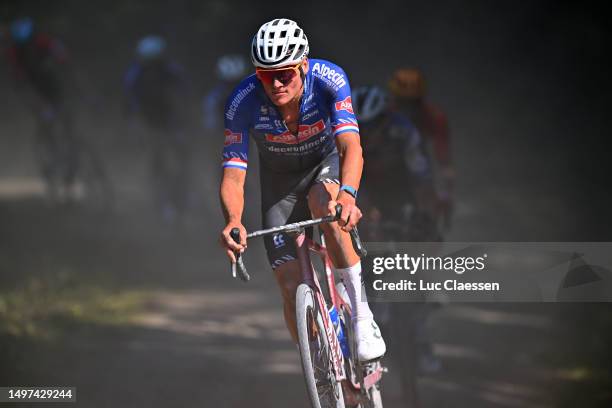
(283, 75)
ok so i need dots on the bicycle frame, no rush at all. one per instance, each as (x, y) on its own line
(303, 245)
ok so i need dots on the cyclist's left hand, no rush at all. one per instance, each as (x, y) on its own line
(351, 214)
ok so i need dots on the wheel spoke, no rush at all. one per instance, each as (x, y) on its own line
(325, 387)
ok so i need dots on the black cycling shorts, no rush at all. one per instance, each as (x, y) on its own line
(284, 200)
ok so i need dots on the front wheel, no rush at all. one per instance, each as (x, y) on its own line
(321, 385)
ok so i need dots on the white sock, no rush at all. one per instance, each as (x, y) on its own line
(351, 277)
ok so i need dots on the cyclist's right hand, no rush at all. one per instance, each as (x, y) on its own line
(229, 244)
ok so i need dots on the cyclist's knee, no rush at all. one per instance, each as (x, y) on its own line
(288, 276)
(318, 211)
(318, 200)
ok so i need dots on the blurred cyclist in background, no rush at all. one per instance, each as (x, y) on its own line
(39, 63)
(156, 89)
(39, 67)
(46, 80)
(408, 90)
(397, 183)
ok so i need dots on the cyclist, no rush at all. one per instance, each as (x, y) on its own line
(396, 185)
(408, 89)
(40, 68)
(38, 61)
(299, 113)
(156, 89)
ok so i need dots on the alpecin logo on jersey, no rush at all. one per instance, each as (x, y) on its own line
(232, 138)
(345, 104)
(323, 71)
(305, 132)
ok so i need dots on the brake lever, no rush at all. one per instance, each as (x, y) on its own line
(355, 240)
(238, 268)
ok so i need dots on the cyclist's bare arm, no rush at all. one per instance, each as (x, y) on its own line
(232, 203)
(351, 167)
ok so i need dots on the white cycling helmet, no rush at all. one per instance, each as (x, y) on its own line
(231, 67)
(278, 43)
(369, 102)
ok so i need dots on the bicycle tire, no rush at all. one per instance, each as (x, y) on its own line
(307, 314)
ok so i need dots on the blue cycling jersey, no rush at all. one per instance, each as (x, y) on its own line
(326, 111)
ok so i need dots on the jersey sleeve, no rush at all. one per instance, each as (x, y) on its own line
(237, 125)
(342, 116)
